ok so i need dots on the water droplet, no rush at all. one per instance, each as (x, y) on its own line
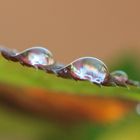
(120, 76)
(87, 68)
(36, 57)
(8, 54)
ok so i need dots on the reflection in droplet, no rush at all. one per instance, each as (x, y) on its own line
(86, 68)
(89, 68)
(36, 56)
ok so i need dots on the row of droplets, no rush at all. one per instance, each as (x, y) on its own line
(84, 69)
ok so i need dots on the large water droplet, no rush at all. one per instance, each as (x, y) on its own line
(86, 68)
(36, 57)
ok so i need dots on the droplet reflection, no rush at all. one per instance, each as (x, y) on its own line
(90, 69)
(36, 56)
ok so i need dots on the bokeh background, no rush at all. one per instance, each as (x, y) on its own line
(71, 29)
(30, 106)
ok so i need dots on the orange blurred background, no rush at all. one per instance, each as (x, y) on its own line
(74, 28)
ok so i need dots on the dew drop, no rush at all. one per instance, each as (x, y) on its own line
(8, 54)
(87, 68)
(36, 57)
(120, 76)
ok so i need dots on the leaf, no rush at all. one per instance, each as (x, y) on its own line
(15, 74)
(64, 96)
(30, 99)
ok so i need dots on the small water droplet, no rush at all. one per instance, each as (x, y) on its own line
(120, 76)
(8, 54)
(36, 57)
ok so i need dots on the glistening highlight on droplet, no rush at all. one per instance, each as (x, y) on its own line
(86, 68)
(36, 56)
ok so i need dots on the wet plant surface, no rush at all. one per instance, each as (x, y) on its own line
(82, 69)
(36, 105)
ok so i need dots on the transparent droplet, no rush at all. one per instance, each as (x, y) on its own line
(8, 54)
(88, 68)
(36, 56)
(120, 75)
